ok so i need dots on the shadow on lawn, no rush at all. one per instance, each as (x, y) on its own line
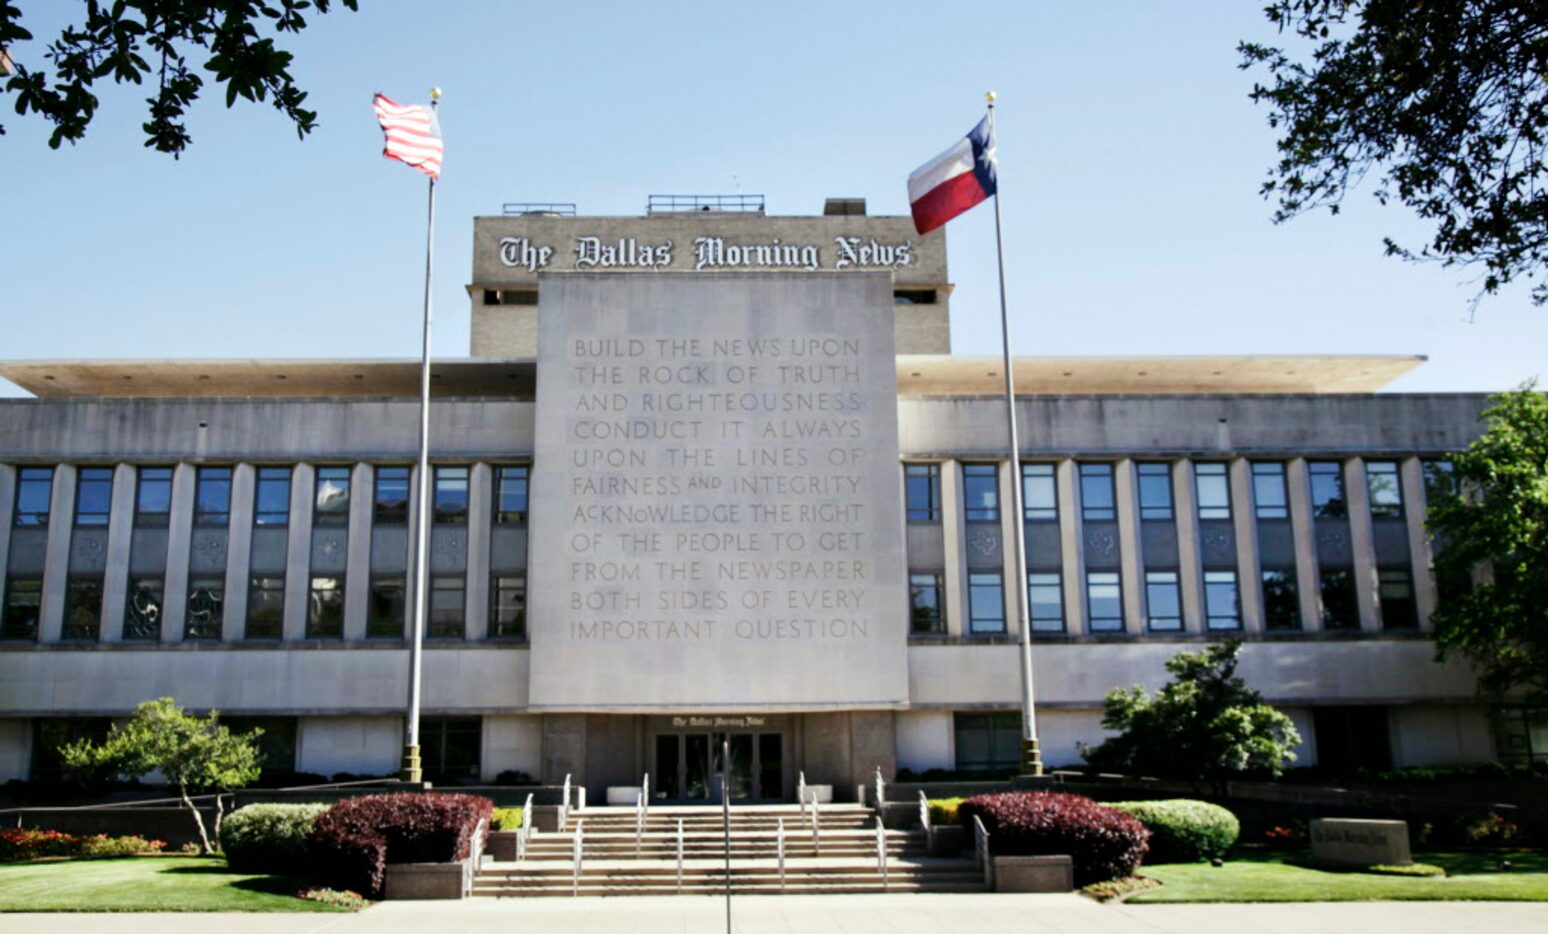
(271, 885)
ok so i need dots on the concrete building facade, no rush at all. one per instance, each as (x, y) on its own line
(711, 473)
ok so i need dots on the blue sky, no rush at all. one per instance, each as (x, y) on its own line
(1130, 160)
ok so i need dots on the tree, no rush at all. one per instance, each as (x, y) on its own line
(1449, 101)
(1491, 562)
(132, 40)
(196, 754)
(1204, 725)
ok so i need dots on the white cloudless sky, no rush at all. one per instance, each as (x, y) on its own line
(1130, 160)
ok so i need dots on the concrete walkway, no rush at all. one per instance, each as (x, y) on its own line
(826, 914)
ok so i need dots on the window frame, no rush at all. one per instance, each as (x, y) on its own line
(1050, 579)
(1215, 592)
(376, 624)
(152, 477)
(1283, 576)
(1153, 581)
(433, 628)
(974, 474)
(1034, 474)
(8, 632)
(43, 476)
(1150, 512)
(1386, 469)
(1095, 472)
(934, 582)
(978, 582)
(1208, 474)
(325, 607)
(1091, 618)
(101, 477)
(496, 588)
(196, 584)
(930, 473)
(1335, 507)
(513, 473)
(391, 512)
(1409, 621)
(333, 516)
(269, 477)
(257, 584)
(440, 516)
(1267, 472)
(207, 518)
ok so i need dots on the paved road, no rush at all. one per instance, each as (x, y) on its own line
(826, 914)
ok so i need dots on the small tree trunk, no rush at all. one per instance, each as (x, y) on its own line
(204, 837)
(220, 813)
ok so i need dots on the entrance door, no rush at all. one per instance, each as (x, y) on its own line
(688, 766)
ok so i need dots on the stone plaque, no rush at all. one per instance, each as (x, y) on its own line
(1360, 842)
(716, 509)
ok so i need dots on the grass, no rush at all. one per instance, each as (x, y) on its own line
(1267, 877)
(171, 883)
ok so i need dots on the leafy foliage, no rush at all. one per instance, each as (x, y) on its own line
(353, 841)
(196, 754)
(268, 837)
(944, 810)
(1103, 843)
(1491, 562)
(132, 41)
(1449, 101)
(506, 819)
(18, 844)
(1205, 724)
(1183, 830)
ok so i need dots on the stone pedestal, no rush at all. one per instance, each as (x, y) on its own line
(1360, 842)
(1034, 874)
(500, 846)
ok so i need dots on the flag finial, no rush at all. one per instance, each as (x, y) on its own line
(435, 94)
(989, 96)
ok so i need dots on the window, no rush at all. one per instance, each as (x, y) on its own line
(986, 602)
(276, 747)
(1281, 600)
(143, 609)
(922, 491)
(271, 498)
(332, 496)
(988, 742)
(511, 494)
(266, 606)
(446, 608)
(1222, 601)
(1269, 496)
(390, 504)
(385, 614)
(1039, 494)
(1096, 492)
(1351, 738)
(1381, 481)
(1045, 602)
(508, 607)
(1104, 601)
(212, 497)
(1164, 600)
(924, 604)
(1395, 586)
(206, 608)
(1340, 607)
(23, 601)
(153, 497)
(325, 609)
(981, 492)
(451, 748)
(1439, 481)
(451, 495)
(1213, 490)
(94, 496)
(1327, 489)
(82, 609)
(34, 493)
(1155, 491)
(1521, 734)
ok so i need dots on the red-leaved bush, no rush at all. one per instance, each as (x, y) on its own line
(352, 842)
(1104, 843)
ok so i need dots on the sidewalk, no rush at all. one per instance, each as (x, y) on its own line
(825, 914)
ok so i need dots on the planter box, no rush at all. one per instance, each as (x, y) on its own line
(623, 794)
(949, 840)
(545, 818)
(425, 881)
(500, 846)
(1034, 874)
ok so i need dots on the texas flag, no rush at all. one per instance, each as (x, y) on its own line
(953, 181)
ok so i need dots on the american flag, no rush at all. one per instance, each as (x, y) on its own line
(413, 135)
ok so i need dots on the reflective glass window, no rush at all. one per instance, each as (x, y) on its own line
(93, 496)
(390, 499)
(1222, 602)
(1381, 481)
(1045, 601)
(212, 496)
(34, 493)
(332, 500)
(451, 495)
(986, 602)
(922, 492)
(1039, 493)
(1327, 489)
(1269, 497)
(1155, 491)
(1104, 601)
(981, 492)
(1096, 492)
(271, 496)
(1164, 601)
(1213, 490)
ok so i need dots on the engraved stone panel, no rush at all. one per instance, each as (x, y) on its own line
(88, 551)
(330, 550)
(207, 553)
(715, 512)
(1101, 545)
(1217, 544)
(448, 549)
(1333, 544)
(983, 546)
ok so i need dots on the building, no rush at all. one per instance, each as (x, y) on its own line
(710, 472)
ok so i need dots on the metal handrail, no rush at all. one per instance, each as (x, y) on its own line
(575, 862)
(475, 856)
(538, 208)
(679, 855)
(816, 827)
(881, 789)
(881, 850)
(640, 810)
(981, 852)
(924, 813)
(801, 792)
(682, 204)
(779, 835)
(564, 803)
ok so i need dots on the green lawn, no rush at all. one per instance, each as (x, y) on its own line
(171, 883)
(1264, 877)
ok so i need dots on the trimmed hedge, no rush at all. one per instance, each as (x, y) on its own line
(354, 841)
(1104, 843)
(1183, 830)
(268, 837)
(944, 810)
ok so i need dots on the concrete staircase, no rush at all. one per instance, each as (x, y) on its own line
(840, 857)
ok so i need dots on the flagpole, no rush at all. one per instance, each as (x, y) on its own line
(412, 770)
(1031, 756)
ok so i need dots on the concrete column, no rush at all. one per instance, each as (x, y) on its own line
(357, 576)
(174, 586)
(480, 523)
(1421, 556)
(1362, 543)
(56, 572)
(1190, 577)
(1072, 552)
(7, 504)
(1126, 481)
(953, 534)
(411, 595)
(239, 552)
(1303, 530)
(1244, 520)
(115, 579)
(298, 553)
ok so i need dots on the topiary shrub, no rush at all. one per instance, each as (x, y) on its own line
(1183, 830)
(1104, 843)
(268, 837)
(353, 842)
(506, 819)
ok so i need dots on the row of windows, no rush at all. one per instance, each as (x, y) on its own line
(1105, 609)
(1212, 490)
(271, 497)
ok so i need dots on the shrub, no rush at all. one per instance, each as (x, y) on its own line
(268, 837)
(1182, 830)
(18, 845)
(1104, 843)
(102, 845)
(353, 841)
(514, 777)
(506, 819)
(944, 810)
